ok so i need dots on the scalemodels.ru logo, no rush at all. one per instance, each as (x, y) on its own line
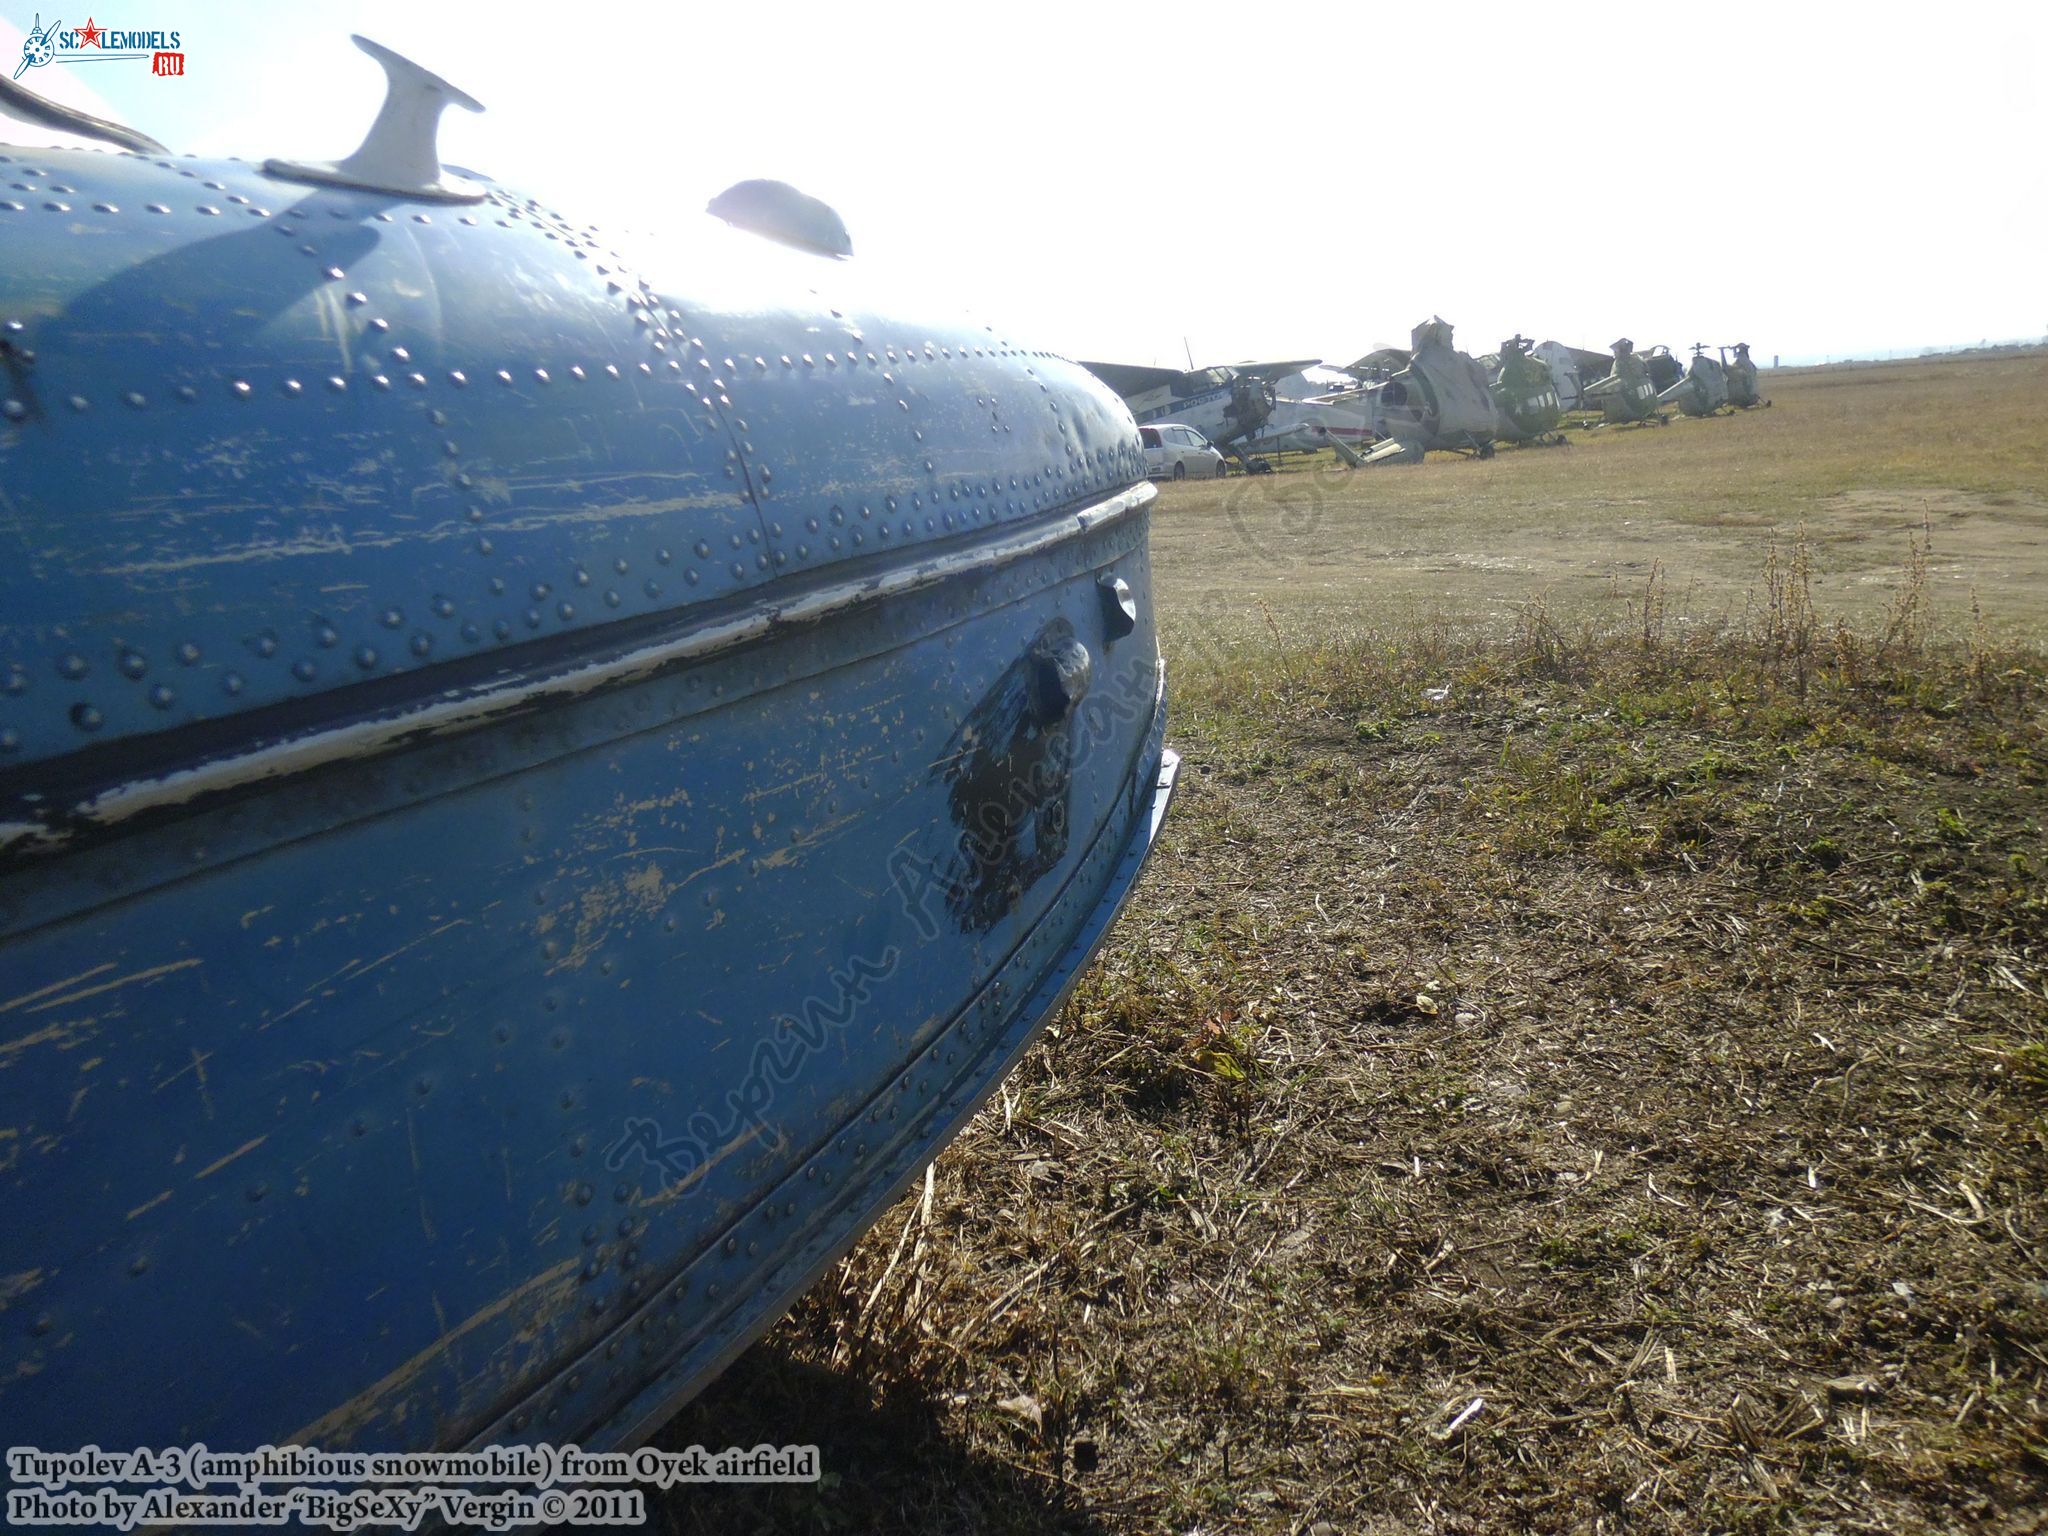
(95, 44)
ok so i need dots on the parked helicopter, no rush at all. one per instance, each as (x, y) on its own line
(1525, 395)
(1441, 399)
(1379, 365)
(1225, 404)
(1704, 388)
(1626, 394)
(1743, 392)
(1572, 369)
(1664, 369)
(1307, 418)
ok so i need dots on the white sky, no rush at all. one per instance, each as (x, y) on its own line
(1264, 180)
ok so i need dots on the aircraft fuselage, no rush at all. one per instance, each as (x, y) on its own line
(1223, 406)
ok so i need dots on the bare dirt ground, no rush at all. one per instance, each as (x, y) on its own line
(1577, 1063)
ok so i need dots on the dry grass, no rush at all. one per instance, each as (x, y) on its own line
(1857, 457)
(1585, 1074)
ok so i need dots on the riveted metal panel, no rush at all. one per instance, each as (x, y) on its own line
(266, 442)
(957, 427)
(491, 897)
(347, 1098)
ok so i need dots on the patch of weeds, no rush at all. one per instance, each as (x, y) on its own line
(2029, 1065)
(1592, 1247)
(1713, 765)
(1820, 911)
(1227, 1367)
(1823, 853)
(1621, 849)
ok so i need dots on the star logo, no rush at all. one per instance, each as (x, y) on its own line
(89, 35)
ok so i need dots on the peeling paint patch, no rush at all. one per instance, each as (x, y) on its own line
(356, 972)
(607, 905)
(542, 1295)
(55, 986)
(63, 1035)
(149, 1205)
(108, 986)
(243, 1149)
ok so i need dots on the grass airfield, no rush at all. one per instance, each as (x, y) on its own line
(1857, 456)
(1579, 1058)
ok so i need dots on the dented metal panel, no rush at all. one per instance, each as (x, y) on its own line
(531, 795)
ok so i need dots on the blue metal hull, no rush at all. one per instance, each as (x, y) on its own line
(480, 1025)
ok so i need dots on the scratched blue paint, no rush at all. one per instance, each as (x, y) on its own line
(322, 1014)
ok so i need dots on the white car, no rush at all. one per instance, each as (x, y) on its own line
(1174, 452)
